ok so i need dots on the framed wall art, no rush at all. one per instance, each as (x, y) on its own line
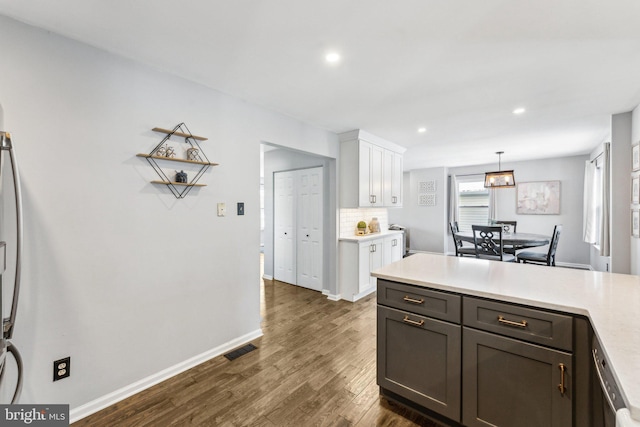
(635, 157)
(635, 189)
(538, 198)
(635, 223)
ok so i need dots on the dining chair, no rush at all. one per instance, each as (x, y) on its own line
(541, 258)
(461, 250)
(488, 243)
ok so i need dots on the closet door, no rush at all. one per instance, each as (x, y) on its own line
(284, 227)
(309, 228)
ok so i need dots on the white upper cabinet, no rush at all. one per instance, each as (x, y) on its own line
(370, 174)
(370, 171)
(392, 190)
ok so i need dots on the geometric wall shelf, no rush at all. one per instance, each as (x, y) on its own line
(189, 155)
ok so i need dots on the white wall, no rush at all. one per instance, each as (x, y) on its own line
(634, 261)
(120, 275)
(425, 223)
(283, 160)
(620, 193)
(432, 229)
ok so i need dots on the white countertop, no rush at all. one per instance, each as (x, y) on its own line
(369, 236)
(610, 301)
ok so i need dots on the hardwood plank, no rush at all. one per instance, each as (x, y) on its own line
(314, 366)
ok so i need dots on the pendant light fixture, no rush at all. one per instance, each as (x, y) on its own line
(500, 178)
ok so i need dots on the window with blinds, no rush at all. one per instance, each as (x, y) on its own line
(473, 204)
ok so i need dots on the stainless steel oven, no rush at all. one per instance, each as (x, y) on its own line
(607, 398)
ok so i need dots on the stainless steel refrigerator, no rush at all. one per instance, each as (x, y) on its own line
(10, 241)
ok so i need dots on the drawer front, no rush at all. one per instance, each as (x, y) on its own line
(528, 324)
(415, 299)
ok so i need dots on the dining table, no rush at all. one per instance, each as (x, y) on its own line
(515, 240)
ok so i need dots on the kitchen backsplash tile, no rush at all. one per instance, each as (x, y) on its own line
(349, 219)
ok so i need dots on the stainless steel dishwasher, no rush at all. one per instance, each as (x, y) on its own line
(607, 397)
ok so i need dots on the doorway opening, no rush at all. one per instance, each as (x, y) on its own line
(316, 178)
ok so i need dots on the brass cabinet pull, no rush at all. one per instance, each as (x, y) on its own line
(413, 322)
(414, 301)
(520, 324)
(561, 386)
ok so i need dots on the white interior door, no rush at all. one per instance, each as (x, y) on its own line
(309, 228)
(284, 227)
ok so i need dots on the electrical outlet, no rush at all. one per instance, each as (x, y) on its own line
(61, 368)
(240, 208)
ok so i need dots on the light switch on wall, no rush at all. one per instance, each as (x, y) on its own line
(222, 209)
(240, 208)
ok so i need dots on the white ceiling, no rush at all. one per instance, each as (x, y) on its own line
(457, 67)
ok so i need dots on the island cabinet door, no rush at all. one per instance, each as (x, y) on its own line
(511, 383)
(419, 359)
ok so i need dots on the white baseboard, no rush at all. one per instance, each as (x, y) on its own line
(414, 251)
(109, 399)
(267, 277)
(573, 265)
(362, 294)
(334, 297)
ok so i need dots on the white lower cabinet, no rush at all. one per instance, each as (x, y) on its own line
(392, 248)
(359, 258)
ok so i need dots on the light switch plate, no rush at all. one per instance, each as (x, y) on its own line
(240, 208)
(222, 209)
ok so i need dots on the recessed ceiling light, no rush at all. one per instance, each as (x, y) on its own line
(422, 130)
(519, 110)
(332, 57)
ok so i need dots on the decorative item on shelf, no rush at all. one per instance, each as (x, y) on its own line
(500, 178)
(362, 228)
(193, 154)
(374, 225)
(181, 177)
(163, 153)
(170, 152)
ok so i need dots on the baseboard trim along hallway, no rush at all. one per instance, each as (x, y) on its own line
(145, 383)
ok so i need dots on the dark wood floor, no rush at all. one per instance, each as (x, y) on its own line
(314, 366)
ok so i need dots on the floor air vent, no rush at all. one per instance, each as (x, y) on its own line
(240, 351)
